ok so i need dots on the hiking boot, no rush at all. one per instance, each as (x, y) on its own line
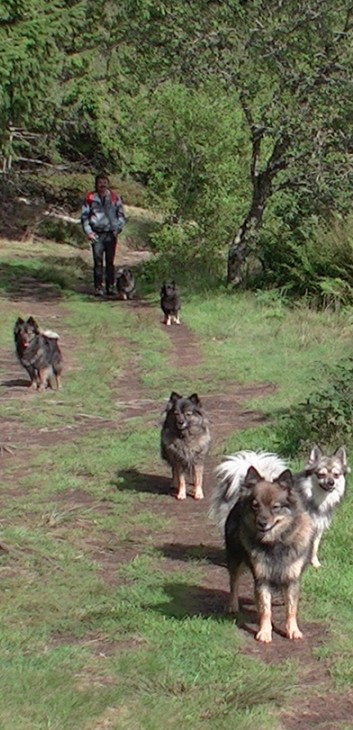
(99, 292)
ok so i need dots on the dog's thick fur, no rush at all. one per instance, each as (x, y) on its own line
(185, 441)
(231, 474)
(39, 353)
(269, 531)
(170, 303)
(321, 485)
(125, 283)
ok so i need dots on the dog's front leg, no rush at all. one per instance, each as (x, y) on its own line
(263, 600)
(292, 597)
(314, 556)
(198, 478)
(179, 483)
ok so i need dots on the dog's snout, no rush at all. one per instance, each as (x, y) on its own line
(261, 523)
(330, 482)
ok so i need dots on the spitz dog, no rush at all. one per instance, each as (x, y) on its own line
(125, 283)
(39, 353)
(322, 484)
(269, 531)
(231, 474)
(185, 442)
(170, 303)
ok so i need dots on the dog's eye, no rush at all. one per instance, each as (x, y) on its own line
(321, 475)
(335, 474)
(277, 506)
(254, 503)
(188, 413)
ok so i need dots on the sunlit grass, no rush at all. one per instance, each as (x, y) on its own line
(98, 631)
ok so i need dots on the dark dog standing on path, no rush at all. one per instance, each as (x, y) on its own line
(170, 303)
(185, 442)
(125, 283)
(39, 353)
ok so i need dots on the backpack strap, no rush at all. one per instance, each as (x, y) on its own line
(113, 198)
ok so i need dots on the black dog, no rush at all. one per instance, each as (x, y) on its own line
(170, 303)
(39, 353)
(125, 283)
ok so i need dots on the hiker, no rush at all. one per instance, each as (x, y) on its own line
(102, 218)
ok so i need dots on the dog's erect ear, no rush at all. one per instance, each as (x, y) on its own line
(285, 479)
(342, 456)
(315, 455)
(32, 322)
(174, 396)
(18, 322)
(195, 399)
(252, 477)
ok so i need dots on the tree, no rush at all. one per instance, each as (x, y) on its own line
(34, 37)
(289, 66)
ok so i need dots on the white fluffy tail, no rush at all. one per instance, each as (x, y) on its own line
(230, 477)
(51, 334)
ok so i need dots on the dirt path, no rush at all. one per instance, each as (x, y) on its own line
(192, 537)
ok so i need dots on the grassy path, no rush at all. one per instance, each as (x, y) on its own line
(113, 593)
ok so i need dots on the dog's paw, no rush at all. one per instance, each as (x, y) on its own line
(264, 635)
(198, 495)
(181, 495)
(293, 633)
(315, 562)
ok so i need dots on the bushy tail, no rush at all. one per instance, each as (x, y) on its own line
(50, 334)
(230, 477)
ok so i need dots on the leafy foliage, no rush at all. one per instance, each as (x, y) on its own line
(34, 36)
(326, 416)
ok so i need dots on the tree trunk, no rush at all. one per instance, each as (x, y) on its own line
(245, 239)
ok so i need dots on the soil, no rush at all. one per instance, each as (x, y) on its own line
(194, 538)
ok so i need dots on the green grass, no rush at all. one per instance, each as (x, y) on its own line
(246, 342)
(97, 630)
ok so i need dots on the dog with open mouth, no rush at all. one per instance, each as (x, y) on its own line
(39, 353)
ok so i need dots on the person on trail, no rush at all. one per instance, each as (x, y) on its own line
(102, 218)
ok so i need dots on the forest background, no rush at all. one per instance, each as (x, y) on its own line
(233, 120)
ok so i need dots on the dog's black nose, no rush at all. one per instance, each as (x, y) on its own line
(330, 482)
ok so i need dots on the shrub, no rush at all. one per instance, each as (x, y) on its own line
(326, 416)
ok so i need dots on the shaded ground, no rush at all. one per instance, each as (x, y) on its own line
(194, 539)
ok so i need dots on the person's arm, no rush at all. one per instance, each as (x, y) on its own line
(85, 220)
(120, 214)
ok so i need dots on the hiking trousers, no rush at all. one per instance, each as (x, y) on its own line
(104, 247)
